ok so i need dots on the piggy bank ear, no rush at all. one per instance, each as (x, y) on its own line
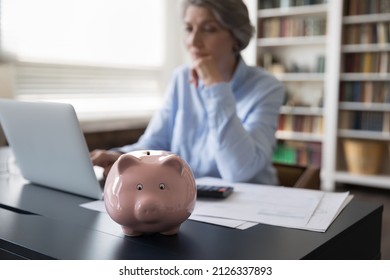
(125, 161)
(175, 163)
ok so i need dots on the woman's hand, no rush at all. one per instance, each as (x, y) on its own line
(104, 159)
(205, 69)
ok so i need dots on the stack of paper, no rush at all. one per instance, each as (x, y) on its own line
(251, 204)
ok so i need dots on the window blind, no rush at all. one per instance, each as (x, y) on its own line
(35, 79)
(84, 48)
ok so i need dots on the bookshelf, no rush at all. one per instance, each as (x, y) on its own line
(291, 44)
(363, 99)
(337, 78)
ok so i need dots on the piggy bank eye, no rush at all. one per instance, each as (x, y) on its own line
(162, 186)
(140, 187)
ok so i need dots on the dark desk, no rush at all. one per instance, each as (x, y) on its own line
(40, 223)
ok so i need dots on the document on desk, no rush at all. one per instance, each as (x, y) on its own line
(280, 206)
(251, 204)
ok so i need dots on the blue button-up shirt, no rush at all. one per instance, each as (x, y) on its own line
(226, 130)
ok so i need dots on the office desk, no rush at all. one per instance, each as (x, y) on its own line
(40, 223)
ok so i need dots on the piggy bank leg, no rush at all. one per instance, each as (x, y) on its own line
(130, 232)
(171, 231)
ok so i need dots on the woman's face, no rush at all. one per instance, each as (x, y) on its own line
(204, 36)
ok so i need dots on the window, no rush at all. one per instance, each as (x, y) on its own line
(75, 50)
(125, 33)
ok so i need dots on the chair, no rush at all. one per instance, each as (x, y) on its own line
(298, 176)
(3, 141)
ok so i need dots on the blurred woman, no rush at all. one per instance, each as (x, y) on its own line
(219, 114)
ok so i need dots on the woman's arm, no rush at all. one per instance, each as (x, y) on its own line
(243, 144)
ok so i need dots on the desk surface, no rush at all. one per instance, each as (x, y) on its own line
(41, 223)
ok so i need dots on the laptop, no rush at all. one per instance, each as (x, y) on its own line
(49, 146)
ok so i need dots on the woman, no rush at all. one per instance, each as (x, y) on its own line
(219, 114)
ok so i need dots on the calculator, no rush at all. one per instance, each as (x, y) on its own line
(214, 191)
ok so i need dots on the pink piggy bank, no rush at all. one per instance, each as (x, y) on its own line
(150, 191)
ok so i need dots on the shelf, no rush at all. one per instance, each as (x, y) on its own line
(297, 110)
(291, 41)
(366, 18)
(300, 77)
(357, 48)
(364, 134)
(298, 136)
(293, 11)
(365, 77)
(303, 51)
(364, 106)
(381, 181)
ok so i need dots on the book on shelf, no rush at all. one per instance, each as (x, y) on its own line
(385, 63)
(351, 34)
(386, 122)
(352, 92)
(383, 32)
(367, 62)
(284, 154)
(368, 33)
(318, 125)
(281, 121)
(295, 152)
(301, 123)
(307, 125)
(360, 7)
(366, 92)
(298, 123)
(292, 27)
(356, 92)
(320, 64)
(372, 121)
(362, 120)
(271, 4)
(385, 92)
(288, 123)
(344, 120)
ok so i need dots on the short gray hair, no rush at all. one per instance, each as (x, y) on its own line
(231, 14)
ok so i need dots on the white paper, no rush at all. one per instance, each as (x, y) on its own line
(269, 205)
(223, 222)
(329, 206)
(97, 205)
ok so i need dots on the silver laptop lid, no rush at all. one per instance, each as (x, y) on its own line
(49, 146)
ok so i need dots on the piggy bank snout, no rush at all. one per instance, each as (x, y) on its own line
(147, 210)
